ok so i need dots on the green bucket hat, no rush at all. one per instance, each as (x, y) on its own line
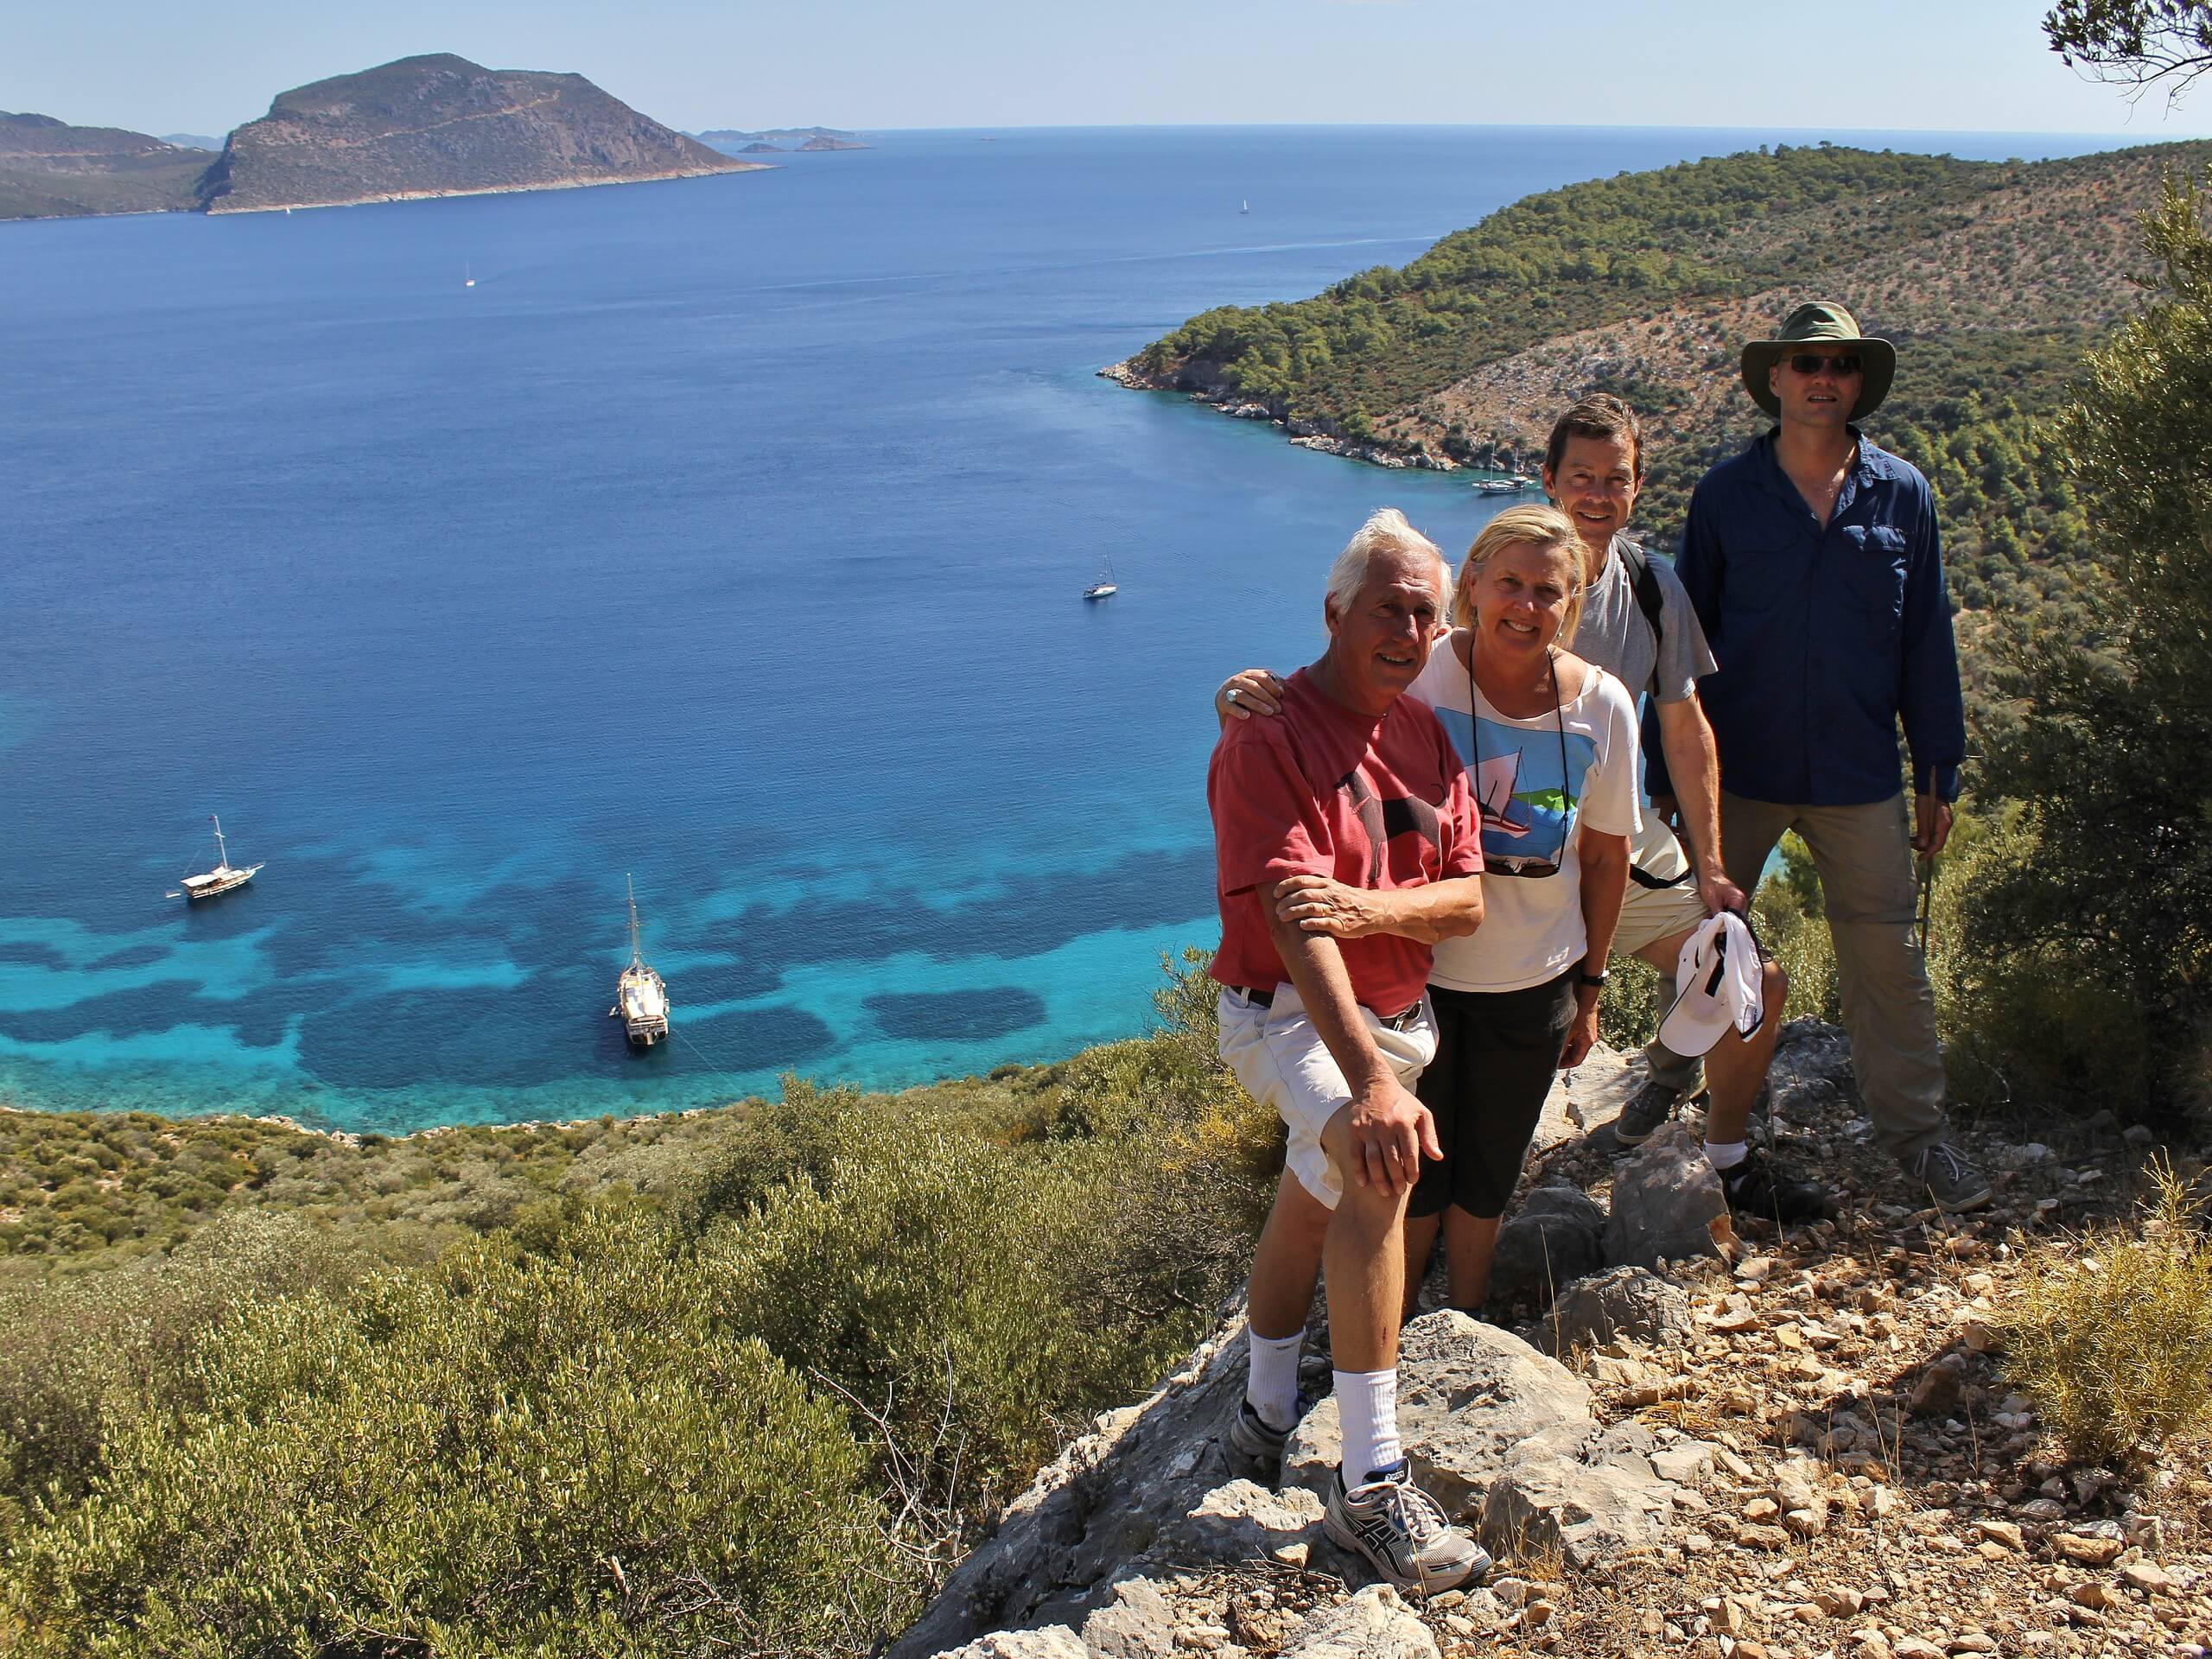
(1821, 323)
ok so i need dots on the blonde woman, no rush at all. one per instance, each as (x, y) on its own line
(1548, 741)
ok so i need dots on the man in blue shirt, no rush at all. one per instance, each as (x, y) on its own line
(1814, 563)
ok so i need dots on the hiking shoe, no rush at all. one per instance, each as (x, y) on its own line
(1758, 1191)
(1951, 1181)
(1253, 1449)
(1647, 1109)
(1401, 1533)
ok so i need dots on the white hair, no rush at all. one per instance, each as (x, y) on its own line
(1385, 532)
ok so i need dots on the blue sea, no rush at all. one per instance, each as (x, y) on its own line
(726, 533)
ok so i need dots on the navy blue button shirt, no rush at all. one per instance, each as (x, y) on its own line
(1826, 637)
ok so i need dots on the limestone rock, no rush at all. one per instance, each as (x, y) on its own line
(1141, 1624)
(1622, 1301)
(1556, 1235)
(1547, 1502)
(1241, 1522)
(1468, 1393)
(1666, 1197)
(1053, 1642)
(1374, 1624)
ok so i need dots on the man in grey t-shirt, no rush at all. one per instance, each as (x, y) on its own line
(1594, 468)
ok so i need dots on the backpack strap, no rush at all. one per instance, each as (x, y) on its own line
(1648, 599)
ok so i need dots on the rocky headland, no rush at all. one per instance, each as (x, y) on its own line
(437, 125)
(442, 126)
(1754, 1446)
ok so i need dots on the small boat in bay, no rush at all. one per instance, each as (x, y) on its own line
(1104, 588)
(222, 878)
(640, 998)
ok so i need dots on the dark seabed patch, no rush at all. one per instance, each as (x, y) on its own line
(752, 1040)
(1029, 917)
(37, 956)
(539, 1032)
(136, 956)
(958, 1016)
(255, 1021)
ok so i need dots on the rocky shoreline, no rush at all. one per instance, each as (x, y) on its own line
(1316, 436)
(1766, 1446)
(219, 206)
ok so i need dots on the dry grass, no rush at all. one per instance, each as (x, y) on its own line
(2109, 1330)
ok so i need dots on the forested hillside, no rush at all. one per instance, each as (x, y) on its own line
(1992, 277)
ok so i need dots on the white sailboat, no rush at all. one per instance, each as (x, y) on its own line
(1244, 207)
(1104, 588)
(221, 879)
(640, 998)
(468, 279)
(1494, 781)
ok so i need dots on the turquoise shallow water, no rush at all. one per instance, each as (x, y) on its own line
(727, 532)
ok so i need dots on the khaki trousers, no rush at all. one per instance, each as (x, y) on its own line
(1863, 855)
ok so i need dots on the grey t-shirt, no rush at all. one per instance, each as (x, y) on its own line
(1614, 634)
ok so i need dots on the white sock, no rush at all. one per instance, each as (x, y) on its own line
(1727, 1155)
(1272, 1383)
(1367, 1407)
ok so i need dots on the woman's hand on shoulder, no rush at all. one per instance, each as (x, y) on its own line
(1249, 691)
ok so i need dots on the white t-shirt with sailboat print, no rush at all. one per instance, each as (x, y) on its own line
(1539, 781)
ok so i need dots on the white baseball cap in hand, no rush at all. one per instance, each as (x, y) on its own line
(1716, 986)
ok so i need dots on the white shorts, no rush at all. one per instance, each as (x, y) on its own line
(1283, 1064)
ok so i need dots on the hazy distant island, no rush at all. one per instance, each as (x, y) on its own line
(49, 169)
(778, 141)
(192, 141)
(437, 125)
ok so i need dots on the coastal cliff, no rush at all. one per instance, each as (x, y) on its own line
(441, 126)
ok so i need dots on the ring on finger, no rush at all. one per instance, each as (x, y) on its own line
(1232, 694)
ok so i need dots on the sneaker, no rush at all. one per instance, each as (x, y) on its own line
(1253, 1447)
(1758, 1191)
(1647, 1109)
(1401, 1533)
(1951, 1181)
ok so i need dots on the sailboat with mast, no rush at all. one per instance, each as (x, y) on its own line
(221, 879)
(640, 998)
(1104, 588)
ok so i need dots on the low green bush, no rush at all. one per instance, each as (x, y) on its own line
(501, 1454)
(2108, 1333)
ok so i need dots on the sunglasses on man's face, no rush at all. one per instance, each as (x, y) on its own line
(1814, 362)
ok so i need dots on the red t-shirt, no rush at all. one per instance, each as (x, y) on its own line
(1319, 790)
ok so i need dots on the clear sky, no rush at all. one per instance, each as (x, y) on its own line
(1973, 65)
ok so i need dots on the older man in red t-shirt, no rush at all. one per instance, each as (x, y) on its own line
(1347, 844)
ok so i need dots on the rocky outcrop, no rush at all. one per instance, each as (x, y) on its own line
(440, 125)
(1500, 1434)
(1666, 1202)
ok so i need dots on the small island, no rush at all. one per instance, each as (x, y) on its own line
(781, 140)
(443, 126)
(436, 126)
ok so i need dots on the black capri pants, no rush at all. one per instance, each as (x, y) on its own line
(1496, 1055)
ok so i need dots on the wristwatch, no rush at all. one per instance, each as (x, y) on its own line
(1593, 982)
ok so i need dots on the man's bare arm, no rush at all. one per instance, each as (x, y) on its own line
(1694, 767)
(1604, 881)
(1436, 911)
(1389, 1129)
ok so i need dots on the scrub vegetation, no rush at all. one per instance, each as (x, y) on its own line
(736, 1380)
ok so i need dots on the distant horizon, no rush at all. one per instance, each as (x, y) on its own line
(1829, 134)
(1971, 66)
